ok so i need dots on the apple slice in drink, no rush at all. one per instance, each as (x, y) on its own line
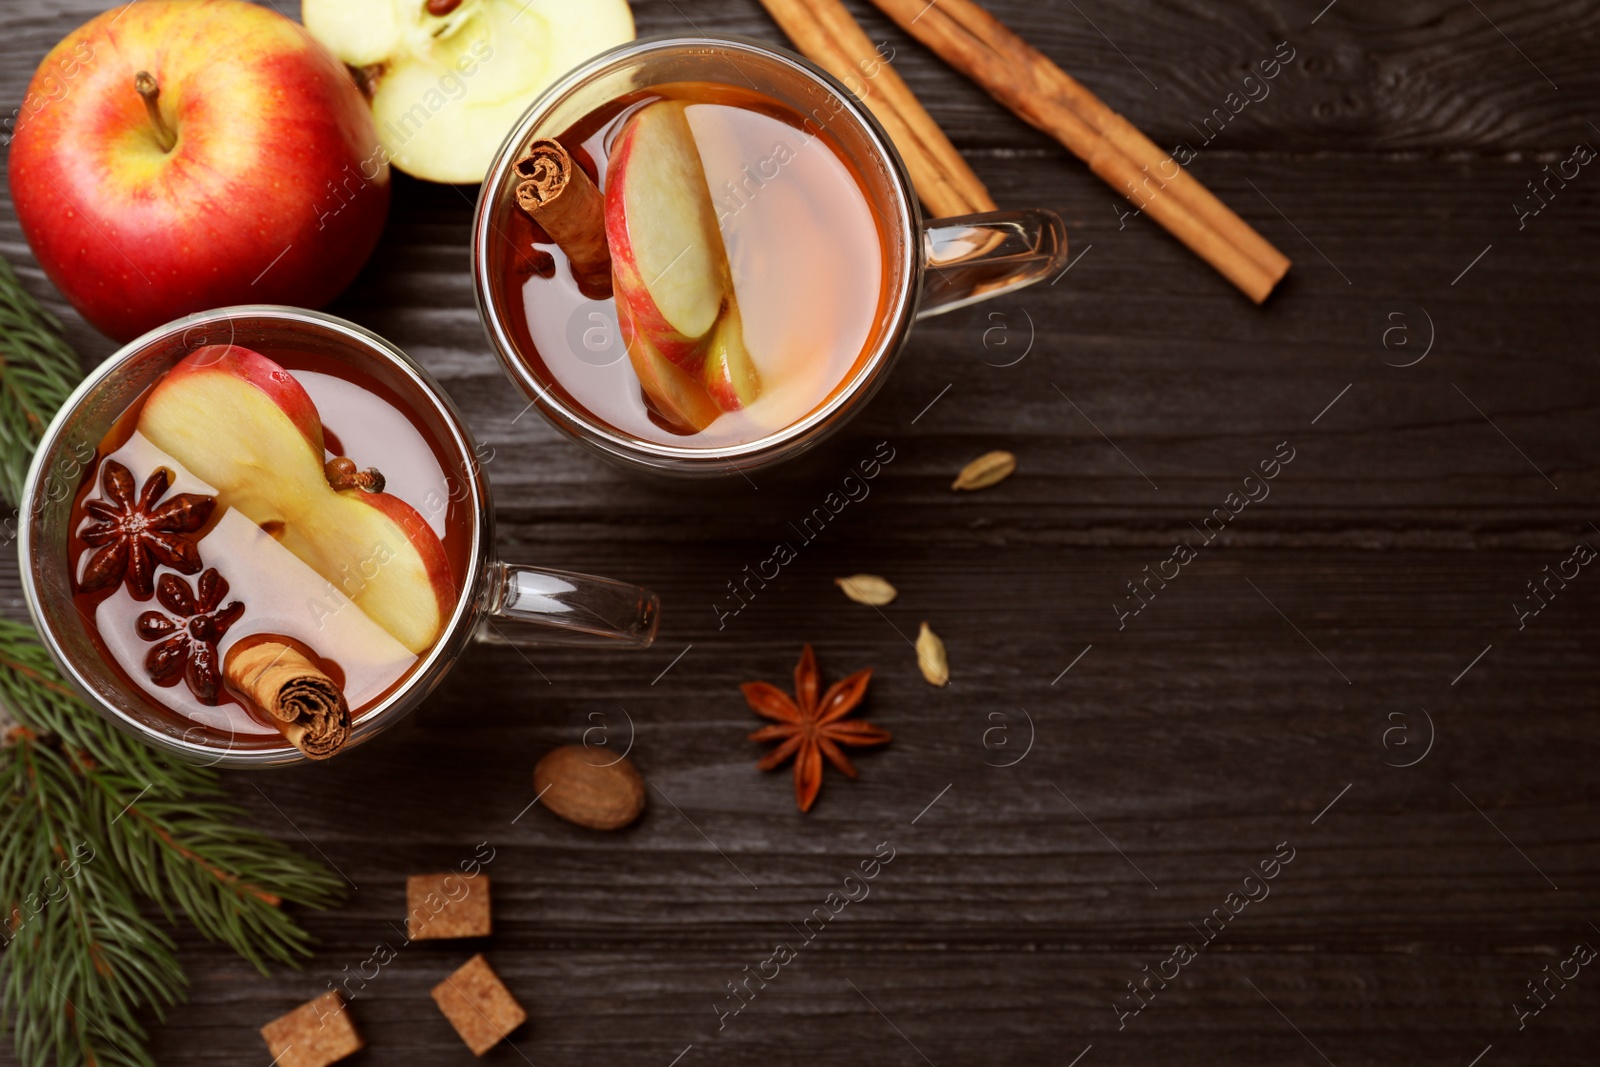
(671, 392)
(730, 375)
(243, 424)
(667, 260)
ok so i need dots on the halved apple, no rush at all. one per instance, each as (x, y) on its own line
(447, 89)
(668, 263)
(730, 375)
(243, 424)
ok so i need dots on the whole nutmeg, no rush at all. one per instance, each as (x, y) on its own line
(590, 787)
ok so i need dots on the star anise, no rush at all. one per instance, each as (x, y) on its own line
(132, 535)
(189, 635)
(811, 728)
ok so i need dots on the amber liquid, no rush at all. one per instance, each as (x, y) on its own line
(806, 248)
(282, 596)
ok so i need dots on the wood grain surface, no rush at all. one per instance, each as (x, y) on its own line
(1082, 796)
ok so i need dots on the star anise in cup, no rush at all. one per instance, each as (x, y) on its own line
(811, 728)
(132, 534)
(188, 636)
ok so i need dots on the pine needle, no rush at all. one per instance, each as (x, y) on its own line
(38, 369)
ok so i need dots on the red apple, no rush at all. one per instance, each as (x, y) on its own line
(239, 422)
(247, 170)
(667, 260)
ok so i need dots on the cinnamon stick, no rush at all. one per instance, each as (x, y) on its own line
(1025, 80)
(284, 685)
(1125, 136)
(560, 196)
(826, 32)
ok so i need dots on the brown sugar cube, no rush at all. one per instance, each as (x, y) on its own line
(478, 1005)
(443, 906)
(315, 1034)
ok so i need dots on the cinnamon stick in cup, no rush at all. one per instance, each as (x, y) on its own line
(285, 686)
(559, 195)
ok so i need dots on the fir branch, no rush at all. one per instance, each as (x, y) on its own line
(92, 821)
(82, 962)
(38, 369)
(228, 880)
(41, 701)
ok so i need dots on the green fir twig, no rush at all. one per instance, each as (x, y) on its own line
(38, 369)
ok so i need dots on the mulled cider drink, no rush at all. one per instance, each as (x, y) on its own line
(693, 264)
(265, 544)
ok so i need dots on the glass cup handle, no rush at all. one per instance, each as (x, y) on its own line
(559, 608)
(970, 258)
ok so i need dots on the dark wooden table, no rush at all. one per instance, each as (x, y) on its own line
(1340, 674)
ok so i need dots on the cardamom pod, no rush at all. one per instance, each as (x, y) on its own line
(931, 658)
(988, 469)
(867, 589)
